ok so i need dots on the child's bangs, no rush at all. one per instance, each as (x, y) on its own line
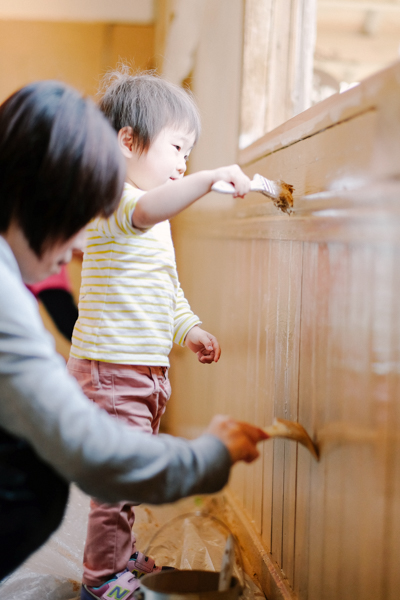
(181, 112)
(147, 103)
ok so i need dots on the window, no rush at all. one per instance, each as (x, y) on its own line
(298, 52)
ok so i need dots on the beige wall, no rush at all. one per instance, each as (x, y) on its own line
(117, 11)
(216, 82)
(356, 39)
(77, 53)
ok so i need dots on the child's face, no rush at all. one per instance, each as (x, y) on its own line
(165, 159)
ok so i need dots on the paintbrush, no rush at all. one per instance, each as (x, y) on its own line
(228, 563)
(292, 431)
(279, 192)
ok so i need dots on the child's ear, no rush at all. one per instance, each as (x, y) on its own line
(125, 141)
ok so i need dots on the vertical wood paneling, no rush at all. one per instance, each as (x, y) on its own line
(268, 308)
(361, 511)
(254, 357)
(241, 292)
(303, 339)
(340, 510)
(331, 370)
(248, 414)
(392, 512)
(309, 479)
(381, 374)
(312, 333)
(279, 358)
(259, 379)
(290, 342)
(285, 358)
(223, 310)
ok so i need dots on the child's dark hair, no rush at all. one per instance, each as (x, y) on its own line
(146, 103)
(60, 165)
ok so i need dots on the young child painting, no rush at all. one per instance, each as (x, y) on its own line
(132, 308)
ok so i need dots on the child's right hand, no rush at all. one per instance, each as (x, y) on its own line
(234, 175)
(240, 438)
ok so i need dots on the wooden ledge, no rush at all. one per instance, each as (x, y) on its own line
(368, 96)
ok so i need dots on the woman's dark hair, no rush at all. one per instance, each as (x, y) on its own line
(60, 165)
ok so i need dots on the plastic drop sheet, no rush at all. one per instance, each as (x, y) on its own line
(178, 535)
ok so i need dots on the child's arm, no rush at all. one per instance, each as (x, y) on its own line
(203, 344)
(187, 332)
(166, 201)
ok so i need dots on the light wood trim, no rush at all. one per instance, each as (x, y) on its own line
(366, 96)
(257, 560)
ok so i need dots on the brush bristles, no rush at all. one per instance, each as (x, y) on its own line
(285, 200)
(280, 192)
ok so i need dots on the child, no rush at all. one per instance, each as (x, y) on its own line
(131, 306)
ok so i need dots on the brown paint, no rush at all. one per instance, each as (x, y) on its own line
(285, 200)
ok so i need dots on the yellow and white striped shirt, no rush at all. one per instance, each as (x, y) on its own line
(131, 305)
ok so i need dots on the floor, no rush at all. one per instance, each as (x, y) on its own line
(182, 535)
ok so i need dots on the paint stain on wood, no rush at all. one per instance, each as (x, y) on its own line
(285, 200)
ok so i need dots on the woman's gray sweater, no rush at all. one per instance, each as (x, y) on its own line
(42, 404)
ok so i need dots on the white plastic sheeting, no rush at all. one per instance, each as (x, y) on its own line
(176, 535)
(54, 572)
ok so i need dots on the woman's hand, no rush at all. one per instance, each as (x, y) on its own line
(240, 438)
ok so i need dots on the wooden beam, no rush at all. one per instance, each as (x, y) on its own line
(361, 6)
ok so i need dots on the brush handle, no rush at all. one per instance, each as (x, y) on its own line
(259, 184)
(228, 562)
(223, 187)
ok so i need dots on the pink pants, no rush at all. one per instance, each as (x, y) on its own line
(137, 395)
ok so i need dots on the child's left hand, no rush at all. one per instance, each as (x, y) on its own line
(203, 344)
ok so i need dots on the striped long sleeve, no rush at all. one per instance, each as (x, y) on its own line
(184, 318)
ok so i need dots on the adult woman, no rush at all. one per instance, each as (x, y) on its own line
(59, 167)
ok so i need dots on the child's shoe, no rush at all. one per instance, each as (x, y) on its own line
(121, 586)
(140, 565)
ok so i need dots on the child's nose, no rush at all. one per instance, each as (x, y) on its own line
(182, 166)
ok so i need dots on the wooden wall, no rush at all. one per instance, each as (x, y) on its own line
(306, 309)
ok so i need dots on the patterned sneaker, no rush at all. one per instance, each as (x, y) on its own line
(121, 586)
(140, 565)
